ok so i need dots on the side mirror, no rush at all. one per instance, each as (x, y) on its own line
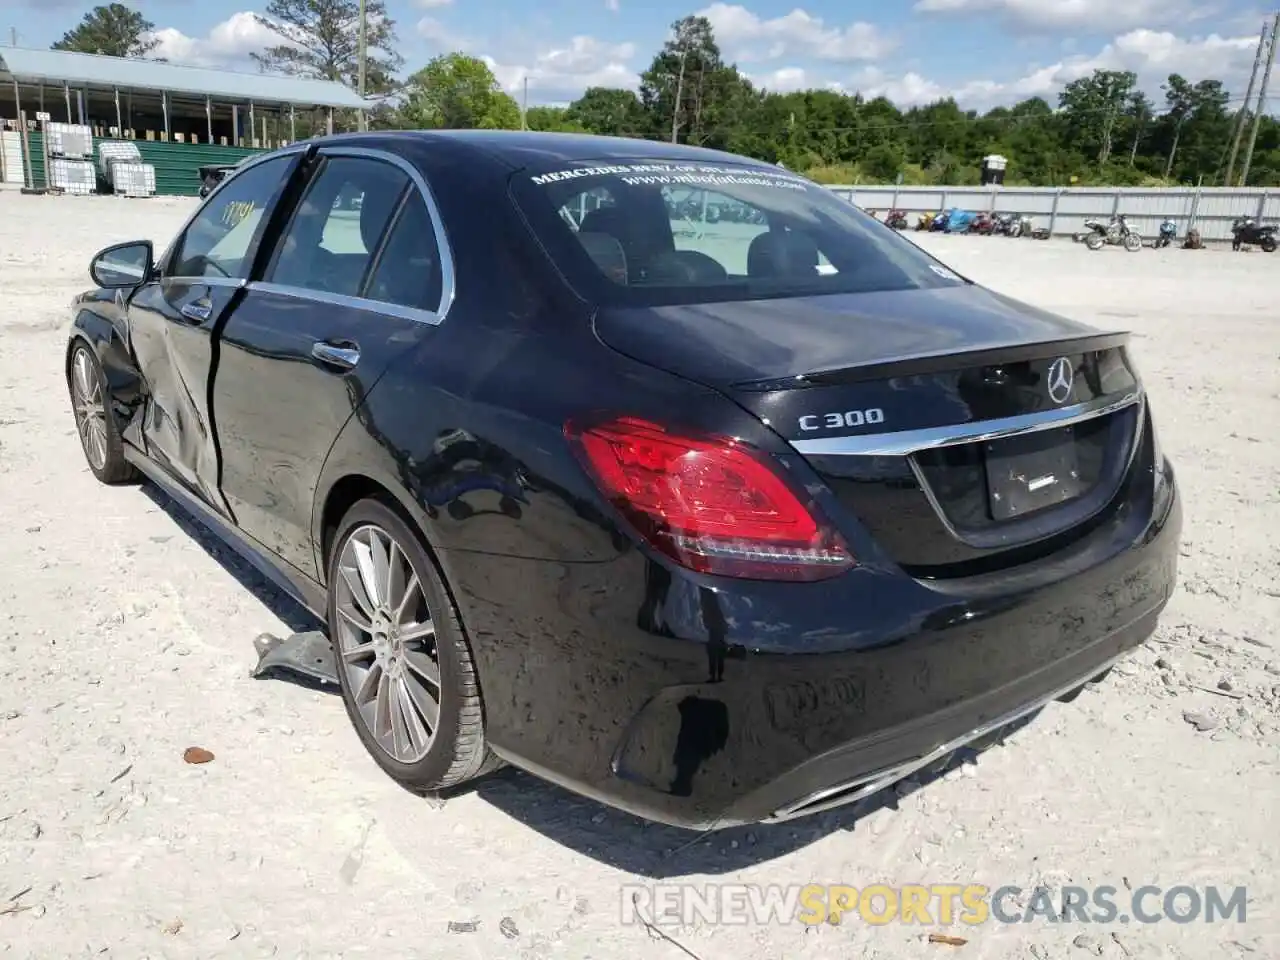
(123, 265)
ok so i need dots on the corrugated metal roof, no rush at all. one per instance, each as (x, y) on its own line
(58, 67)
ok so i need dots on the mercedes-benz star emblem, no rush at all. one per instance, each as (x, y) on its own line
(1061, 379)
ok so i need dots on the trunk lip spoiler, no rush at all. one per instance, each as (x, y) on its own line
(904, 443)
(922, 364)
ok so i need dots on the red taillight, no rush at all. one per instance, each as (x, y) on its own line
(712, 504)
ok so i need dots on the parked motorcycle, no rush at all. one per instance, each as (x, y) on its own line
(897, 219)
(940, 221)
(1117, 232)
(1168, 231)
(983, 224)
(1246, 231)
(925, 221)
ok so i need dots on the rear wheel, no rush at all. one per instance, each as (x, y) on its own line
(99, 435)
(406, 672)
(1095, 241)
(1268, 244)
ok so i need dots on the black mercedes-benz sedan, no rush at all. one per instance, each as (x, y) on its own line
(664, 474)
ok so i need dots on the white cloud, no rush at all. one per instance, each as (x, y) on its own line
(1098, 16)
(432, 4)
(613, 6)
(564, 72)
(783, 80)
(440, 36)
(1151, 54)
(229, 43)
(745, 36)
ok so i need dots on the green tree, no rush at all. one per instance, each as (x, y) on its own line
(1105, 132)
(458, 92)
(1092, 107)
(319, 39)
(613, 113)
(687, 87)
(114, 30)
(552, 120)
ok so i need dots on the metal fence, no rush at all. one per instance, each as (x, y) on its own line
(1064, 210)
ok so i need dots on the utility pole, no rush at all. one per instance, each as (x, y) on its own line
(1238, 132)
(363, 56)
(1177, 134)
(524, 107)
(1262, 102)
(1137, 136)
(675, 107)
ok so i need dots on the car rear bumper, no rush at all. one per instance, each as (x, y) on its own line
(720, 731)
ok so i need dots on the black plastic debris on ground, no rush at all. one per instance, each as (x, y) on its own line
(301, 657)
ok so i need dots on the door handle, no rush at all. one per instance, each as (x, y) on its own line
(343, 355)
(197, 311)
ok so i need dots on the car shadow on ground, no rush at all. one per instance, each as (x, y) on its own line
(659, 852)
(293, 614)
(588, 828)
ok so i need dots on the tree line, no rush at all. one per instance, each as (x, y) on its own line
(1103, 129)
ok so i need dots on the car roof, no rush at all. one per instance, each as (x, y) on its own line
(542, 151)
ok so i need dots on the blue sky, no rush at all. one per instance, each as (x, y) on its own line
(984, 52)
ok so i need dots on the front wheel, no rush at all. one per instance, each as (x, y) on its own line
(1095, 241)
(1268, 244)
(406, 672)
(1132, 242)
(90, 403)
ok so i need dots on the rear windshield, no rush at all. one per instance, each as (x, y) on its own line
(647, 233)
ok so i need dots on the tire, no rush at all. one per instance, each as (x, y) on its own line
(1268, 244)
(1095, 241)
(454, 751)
(1132, 242)
(99, 434)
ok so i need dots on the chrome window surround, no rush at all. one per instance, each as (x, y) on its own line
(906, 442)
(448, 286)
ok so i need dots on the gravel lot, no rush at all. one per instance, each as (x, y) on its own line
(126, 637)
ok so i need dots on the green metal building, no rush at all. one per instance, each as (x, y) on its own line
(180, 117)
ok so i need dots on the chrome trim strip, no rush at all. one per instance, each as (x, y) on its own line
(833, 797)
(1134, 442)
(234, 283)
(342, 300)
(906, 442)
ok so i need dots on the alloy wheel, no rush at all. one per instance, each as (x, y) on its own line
(386, 644)
(91, 416)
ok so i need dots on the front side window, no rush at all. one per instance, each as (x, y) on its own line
(650, 232)
(335, 231)
(218, 241)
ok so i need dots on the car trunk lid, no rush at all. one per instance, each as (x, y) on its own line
(956, 425)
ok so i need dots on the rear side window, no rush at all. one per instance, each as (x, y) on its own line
(645, 232)
(329, 244)
(408, 271)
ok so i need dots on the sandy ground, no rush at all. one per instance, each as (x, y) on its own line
(125, 637)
